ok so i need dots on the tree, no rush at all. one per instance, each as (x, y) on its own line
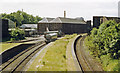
(17, 34)
(21, 18)
(105, 40)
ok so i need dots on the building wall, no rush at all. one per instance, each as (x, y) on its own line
(89, 25)
(4, 28)
(74, 28)
(97, 20)
(42, 27)
(66, 28)
(55, 26)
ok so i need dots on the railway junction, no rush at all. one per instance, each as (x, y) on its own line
(70, 55)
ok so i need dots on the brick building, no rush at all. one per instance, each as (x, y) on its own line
(66, 25)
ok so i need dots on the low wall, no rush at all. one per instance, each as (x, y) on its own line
(10, 53)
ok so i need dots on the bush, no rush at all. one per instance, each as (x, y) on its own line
(17, 34)
(105, 40)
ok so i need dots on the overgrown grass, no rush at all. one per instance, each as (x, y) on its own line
(54, 58)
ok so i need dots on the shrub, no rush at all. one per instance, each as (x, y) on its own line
(105, 40)
(17, 34)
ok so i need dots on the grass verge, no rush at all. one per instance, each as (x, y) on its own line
(5, 46)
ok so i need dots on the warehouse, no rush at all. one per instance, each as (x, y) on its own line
(66, 25)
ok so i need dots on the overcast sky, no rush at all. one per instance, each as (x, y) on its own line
(55, 8)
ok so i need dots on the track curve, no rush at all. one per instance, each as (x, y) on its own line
(86, 61)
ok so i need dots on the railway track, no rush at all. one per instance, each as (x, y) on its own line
(86, 61)
(18, 62)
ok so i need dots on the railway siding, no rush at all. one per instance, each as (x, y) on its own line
(18, 62)
(87, 62)
(12, 52)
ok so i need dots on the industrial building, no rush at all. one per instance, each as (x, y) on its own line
(97, 20)
(66, 25)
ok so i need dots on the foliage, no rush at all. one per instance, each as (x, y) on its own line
(21, 18)
(17, 34)
(105, 40)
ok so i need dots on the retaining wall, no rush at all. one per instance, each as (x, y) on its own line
(10, 53)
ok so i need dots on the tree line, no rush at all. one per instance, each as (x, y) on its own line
(21, 17)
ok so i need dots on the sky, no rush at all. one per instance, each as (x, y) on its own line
(55, 8)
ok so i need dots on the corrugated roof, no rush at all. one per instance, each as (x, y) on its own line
(29, 26)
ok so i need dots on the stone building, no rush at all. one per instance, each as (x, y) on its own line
(97, 20)
(66, 25)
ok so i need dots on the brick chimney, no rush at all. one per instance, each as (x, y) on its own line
(64, 14)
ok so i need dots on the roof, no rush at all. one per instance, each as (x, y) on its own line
(29, 26)
(72, 20)
(46, 20)
(50, 19)
(79, 20)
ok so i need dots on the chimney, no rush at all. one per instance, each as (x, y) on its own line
(64, 14)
